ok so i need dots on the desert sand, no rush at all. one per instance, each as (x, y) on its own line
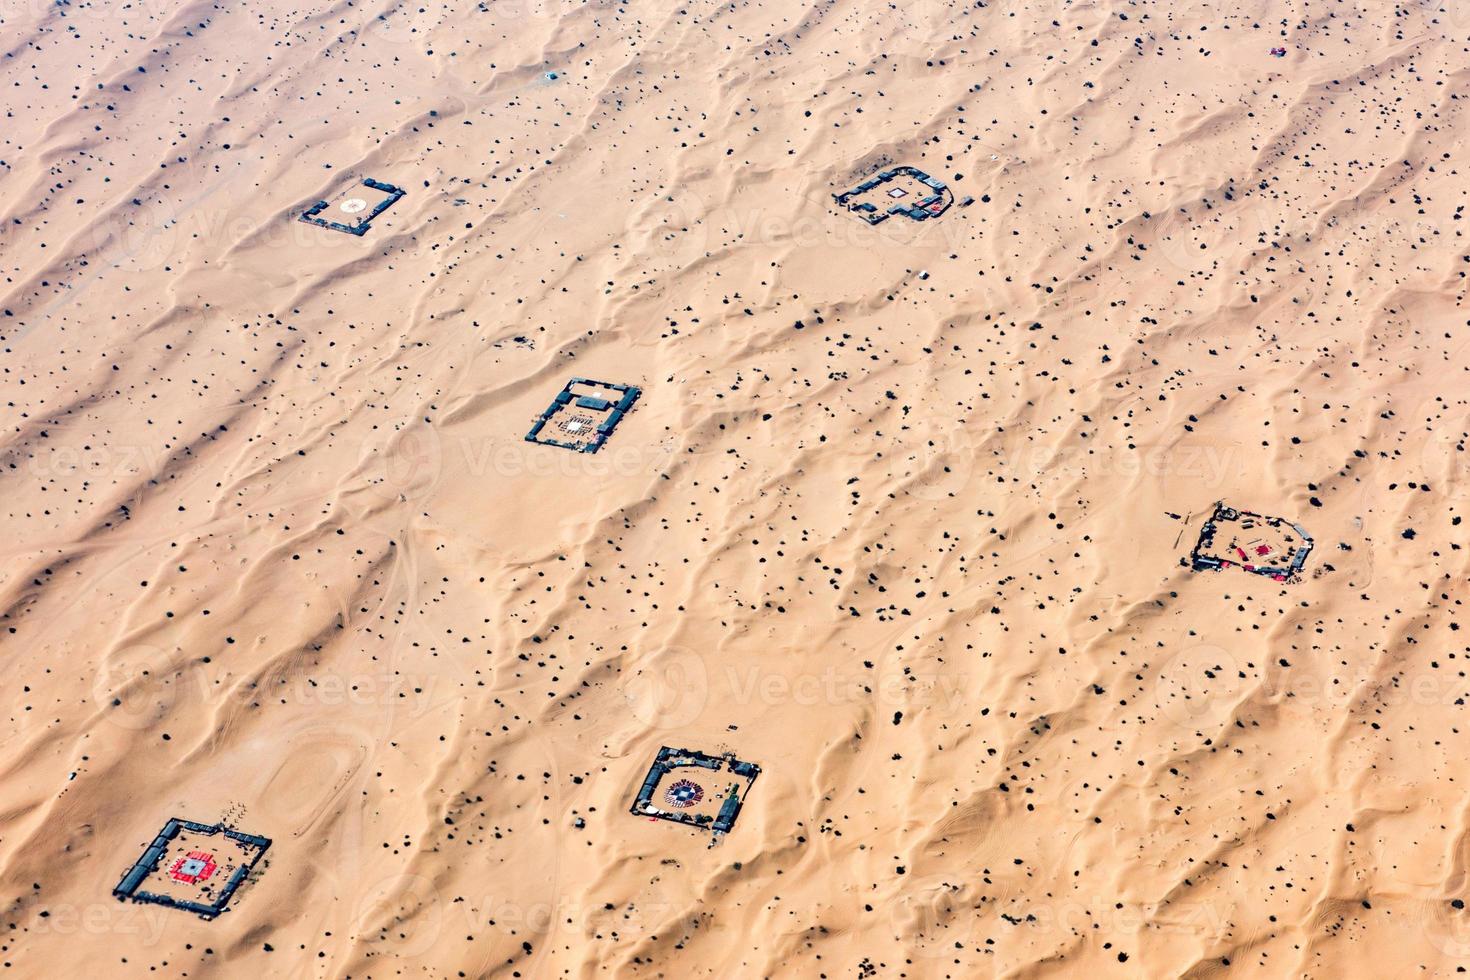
(899, 515)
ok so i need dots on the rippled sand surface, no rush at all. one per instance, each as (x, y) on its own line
(898, 516)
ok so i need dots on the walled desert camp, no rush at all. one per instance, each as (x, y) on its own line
(545, 488)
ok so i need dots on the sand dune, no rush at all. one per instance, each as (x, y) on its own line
(898, 516)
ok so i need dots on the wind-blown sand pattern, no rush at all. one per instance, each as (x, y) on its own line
(898, 516)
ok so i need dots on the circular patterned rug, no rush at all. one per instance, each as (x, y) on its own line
(684, 793)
